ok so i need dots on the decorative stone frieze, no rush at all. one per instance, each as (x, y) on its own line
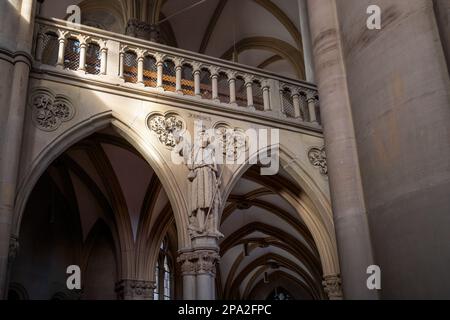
(318, 159)
(49, 111)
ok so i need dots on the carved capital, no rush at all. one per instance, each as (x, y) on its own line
(206, 263)
(332, 285)
(188, 261)
(135, 289)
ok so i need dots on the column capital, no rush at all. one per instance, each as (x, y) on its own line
(332, 285)
(135, 289)
(62, 35)
(178, 62)
(83, 40)
(231, 75)
(201, 261)
(214, 71)
(196, 67)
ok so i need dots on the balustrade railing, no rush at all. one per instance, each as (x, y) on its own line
(145, 64)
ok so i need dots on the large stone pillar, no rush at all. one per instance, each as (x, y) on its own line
(16, 30)
(399, 92)
(442, 9)
(350, 218)
(306, 41)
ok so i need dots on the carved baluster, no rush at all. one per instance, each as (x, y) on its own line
(83, 47)
(179, 74)
(266, 95)
(197, 79)
(232, 84)
(140, 63)
(249, 87)
(159, 71)
(311, 99)
(121, 63)
(104, 58)
(215, 84)
(61, 48)
(39, 46)
(296, 103)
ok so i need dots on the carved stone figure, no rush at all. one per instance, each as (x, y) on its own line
(204, 187)
(318, 159)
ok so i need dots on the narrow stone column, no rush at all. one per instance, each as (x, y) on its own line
(179, 74)
(206, 274)
(121, 64)
(197, 91)
(349, 210)
(104, 60)
(140, 75)
(215, 86)
(232, 84)
(188, 262)
(311, 100)
(61, 51)
(306, 41)
(39, 47)
(249, 87)
(266, 96)
(159, 73)
(296, 102)
(83, 47)
(135, 289)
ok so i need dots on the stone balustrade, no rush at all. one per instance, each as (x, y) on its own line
(64, 47)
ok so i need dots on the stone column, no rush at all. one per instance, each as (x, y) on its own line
(442, 9)
(266, 95)
(232, 84)
(179, 75)
(159, 73)
(135, 290)
(306, 41)
(206, 273)
(61, 51)
(104, 60)
(215, 85)
(17, 18)
(311, 100)
(197, 91)
(188, 262)
(349, 209)
(296, 103)
(249, 86)
(83, 47)
(398, 89)
(121, 64)
(140, 74)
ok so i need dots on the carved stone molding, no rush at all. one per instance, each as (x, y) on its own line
(49, 111)
(318, 159)
(199, 262)
(333, 287)
(166, 127)
(135, 289)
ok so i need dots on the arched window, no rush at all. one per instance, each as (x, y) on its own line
(169, 76)
(150, 71)
(223, 88)
(164, 274)
(258, 101)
